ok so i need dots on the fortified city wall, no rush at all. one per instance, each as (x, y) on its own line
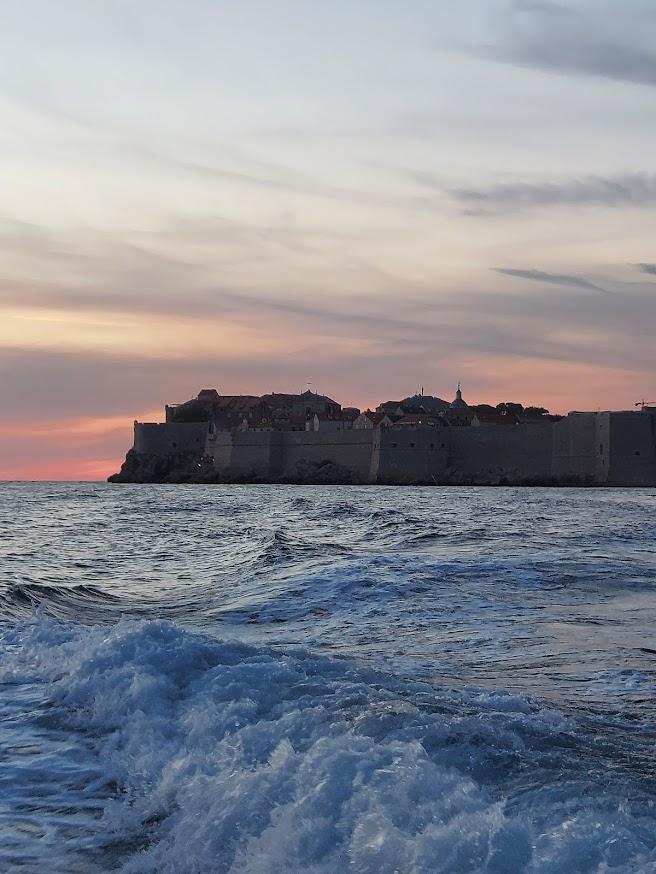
(278, 453)
(611, 448)
(632, 440)
(576, 443)
(410, 455)
(169, 438)
(513, 453)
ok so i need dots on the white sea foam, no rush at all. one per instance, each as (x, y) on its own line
(233, 758)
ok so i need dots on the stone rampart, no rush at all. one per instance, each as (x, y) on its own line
(501, 453)
(219, 449)
(413, 455)
(257, 454)
(613, 448)
(287, 454)
(348, 449)
(170, 438)
(632, 460)
(581, 448)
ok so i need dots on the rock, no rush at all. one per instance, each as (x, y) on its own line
(179, 468)
(320, 473)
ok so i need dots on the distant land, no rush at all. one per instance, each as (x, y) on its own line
(421, 439)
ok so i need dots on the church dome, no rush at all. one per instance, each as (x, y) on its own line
(458, 403)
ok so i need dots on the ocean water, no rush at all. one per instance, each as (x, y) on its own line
(279, 679)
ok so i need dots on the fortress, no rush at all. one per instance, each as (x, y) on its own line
(310, 438)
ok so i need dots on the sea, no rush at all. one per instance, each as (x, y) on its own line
(327, 680)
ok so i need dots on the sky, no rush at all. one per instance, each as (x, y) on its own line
(364, 195)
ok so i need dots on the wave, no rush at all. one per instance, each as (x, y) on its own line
(280, 547)
(232, 758)
(21, 599)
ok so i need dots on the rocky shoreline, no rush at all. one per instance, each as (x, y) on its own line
(184, 467)
(192, 468)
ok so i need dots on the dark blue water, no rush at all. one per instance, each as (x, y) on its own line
(272, 679)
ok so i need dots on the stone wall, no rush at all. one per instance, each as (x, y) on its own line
(580, 448)
(612, 448)
(349, 449)
(219, 449)
(616, 448)
(286, 454)
(501, 453)
(416, 455)
(257, 454)
(632, 460)
(170, 438)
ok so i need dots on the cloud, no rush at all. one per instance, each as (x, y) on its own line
(561, 39)
(390, 341)
(275, 178)
(360, 348)
(121, 289)
(551, 278)
(398, 342)
(649, 269)
(637, 190)
(208, 266)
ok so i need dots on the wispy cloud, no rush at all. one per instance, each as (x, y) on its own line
(592, 42)
(387, 342)
(637, 190)
(280, 179)
(551, 278)
(149, 282)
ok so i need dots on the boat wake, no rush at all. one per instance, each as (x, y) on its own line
(193, 753)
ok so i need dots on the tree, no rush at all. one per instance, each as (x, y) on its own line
(536, 412)
(508, 408)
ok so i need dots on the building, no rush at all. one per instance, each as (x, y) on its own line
(322, 422)
(458, 403)
(307, 437)
(368, 420)
(270, 412)
(417, 403)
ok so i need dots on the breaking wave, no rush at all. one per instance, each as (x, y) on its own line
(216, 756)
